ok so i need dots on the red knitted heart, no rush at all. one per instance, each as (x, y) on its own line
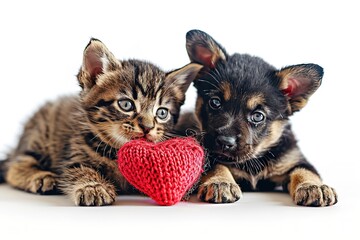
(164, 171)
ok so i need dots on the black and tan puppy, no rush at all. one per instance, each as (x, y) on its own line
(243, 108)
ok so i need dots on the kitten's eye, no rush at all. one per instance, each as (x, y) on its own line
(215, 103)
(126, 105)
(257, 117)
(162, 113)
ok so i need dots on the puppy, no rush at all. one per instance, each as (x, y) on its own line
(243, 109)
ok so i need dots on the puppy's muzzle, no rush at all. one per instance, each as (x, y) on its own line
(226, 143)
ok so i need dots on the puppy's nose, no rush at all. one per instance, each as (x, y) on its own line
(226, 142)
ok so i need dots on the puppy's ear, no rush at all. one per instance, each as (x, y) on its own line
(299, 82)
(97, 60)
(183, 77)
(203, 49)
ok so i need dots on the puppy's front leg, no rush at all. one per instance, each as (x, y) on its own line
(307, 189)
(219, 186)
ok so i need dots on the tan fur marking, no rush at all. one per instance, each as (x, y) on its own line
(276, 130)
(219, 173)
(226, 89)
(284, 74)
(217, 53)
(301, 176)
(254, 101)
(298, 104)
(275, 172)
(288, 161)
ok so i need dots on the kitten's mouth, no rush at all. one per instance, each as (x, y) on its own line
(146, 137)
(138, 136)
(151, 138)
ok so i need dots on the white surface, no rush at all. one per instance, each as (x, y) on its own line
(257, 215)
(41, 44)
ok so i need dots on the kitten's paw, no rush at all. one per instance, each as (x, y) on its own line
(43, 183)
(315, 195)
(94, 195)
(219, 192)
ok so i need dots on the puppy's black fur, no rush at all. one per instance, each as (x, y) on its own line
(242, 114)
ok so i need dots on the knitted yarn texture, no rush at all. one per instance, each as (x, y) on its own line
(164, 171)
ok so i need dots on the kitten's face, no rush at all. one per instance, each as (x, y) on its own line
(243, 102)
(132, 99)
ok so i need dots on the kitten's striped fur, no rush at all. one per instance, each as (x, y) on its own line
(71, 144)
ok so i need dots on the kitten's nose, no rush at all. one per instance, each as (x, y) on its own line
(146, 124)
(146, 127)
(225, 142)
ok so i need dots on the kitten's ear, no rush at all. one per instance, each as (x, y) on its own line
(299, 82)
(183, 77)
(97, 60)
(203, 49)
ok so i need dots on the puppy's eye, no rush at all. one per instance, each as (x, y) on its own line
(215, 103)
(257, 117)
(126, 105)
(162, 113)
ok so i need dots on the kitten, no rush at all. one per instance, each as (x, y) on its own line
(243, 109)
(71, 144)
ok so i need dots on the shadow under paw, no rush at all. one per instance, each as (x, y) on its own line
(219, 192)
(315, 195)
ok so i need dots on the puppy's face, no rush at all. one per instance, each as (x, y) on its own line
(243, 102)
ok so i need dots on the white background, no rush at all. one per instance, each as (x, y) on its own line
(41, 44)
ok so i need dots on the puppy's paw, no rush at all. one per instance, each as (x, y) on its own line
(315, 195)
(42, 182)
(219, 192)
(94, 194)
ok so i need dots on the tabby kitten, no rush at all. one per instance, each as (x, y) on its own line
(243, 109)
(71, 145)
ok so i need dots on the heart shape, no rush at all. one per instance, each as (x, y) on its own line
(164, 171)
